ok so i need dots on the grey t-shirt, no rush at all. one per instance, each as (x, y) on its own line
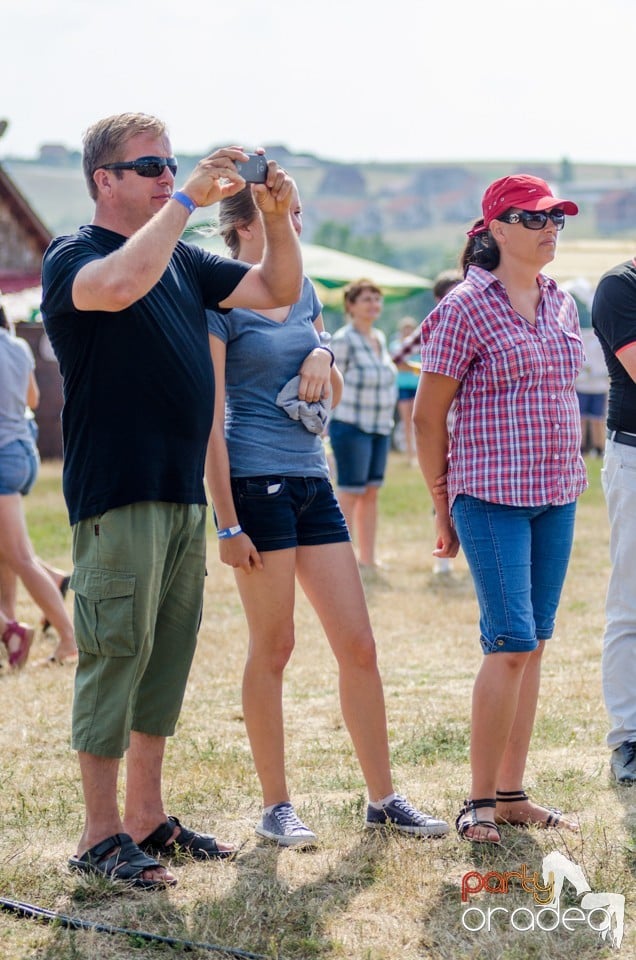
(16, 363)
(262, 355)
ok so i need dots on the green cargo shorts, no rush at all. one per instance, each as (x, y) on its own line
(138, 579)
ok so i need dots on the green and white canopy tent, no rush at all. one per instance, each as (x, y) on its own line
(331, 270)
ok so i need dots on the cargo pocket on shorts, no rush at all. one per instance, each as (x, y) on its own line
(104, 612)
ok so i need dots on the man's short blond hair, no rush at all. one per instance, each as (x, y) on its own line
(105, 139)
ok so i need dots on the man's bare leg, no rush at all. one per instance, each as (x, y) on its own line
(99, 782)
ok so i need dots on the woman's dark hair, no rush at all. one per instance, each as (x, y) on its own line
(234, 212)
(481, 250)
(3, 319)
(444, 282)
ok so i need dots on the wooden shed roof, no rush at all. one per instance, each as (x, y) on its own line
(26, 238)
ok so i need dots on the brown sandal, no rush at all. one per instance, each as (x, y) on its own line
(467, 818)
(18, 649)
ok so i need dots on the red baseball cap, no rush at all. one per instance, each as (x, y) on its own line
(525, 193)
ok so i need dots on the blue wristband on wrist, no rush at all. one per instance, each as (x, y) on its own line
(228, 532)
(185, 201)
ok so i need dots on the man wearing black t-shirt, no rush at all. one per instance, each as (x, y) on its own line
(124, 305)
(614, 320)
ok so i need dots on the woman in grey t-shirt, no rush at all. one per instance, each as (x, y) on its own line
(278, 521)
(18, 471)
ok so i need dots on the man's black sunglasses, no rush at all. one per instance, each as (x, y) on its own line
(145, 166)
(535, 219)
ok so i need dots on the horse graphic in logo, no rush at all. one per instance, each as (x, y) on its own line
(557, 868)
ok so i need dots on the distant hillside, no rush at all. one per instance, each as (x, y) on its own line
(420, 211)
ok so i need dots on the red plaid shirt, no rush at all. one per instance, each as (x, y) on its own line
(516, 436)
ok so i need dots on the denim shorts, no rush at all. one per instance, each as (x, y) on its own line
(592, 405)
(518, 558)
(360, 457)
(19, 463)
(282, 512)
(406, 393)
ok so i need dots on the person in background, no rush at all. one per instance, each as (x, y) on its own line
(407, 379)
(123, 288)
(592, 387)
(62, 581)
(505, 345)
(443, 283)
(360, 428)
(614, 320)
(279, 522)
(17, 638)
(8, 602)
(19, 463)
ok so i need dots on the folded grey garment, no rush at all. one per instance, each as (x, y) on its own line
(313, 416)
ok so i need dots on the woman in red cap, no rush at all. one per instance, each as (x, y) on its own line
(505, 345)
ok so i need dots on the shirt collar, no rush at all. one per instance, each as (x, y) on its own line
(483, 279)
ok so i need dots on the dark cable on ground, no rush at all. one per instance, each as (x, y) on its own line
(76, 923)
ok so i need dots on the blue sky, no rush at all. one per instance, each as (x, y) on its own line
(345, 79)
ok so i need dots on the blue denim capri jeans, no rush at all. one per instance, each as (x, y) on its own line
(19, 464)
(360, 457)
(518, 558)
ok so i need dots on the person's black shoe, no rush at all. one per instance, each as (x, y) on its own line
(623, 762)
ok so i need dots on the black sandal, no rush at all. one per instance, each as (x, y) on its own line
(119, 858)
(469, 812)
(200, 846)
(518, 796)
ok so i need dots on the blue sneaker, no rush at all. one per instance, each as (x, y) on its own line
(400, 815)
(284, 827)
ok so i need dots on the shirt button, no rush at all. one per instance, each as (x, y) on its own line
(550, 368)
(553, 396)
(557, 426)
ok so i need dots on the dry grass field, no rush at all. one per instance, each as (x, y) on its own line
(357, 896)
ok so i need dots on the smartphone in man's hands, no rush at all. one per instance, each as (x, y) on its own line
(254, 169)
